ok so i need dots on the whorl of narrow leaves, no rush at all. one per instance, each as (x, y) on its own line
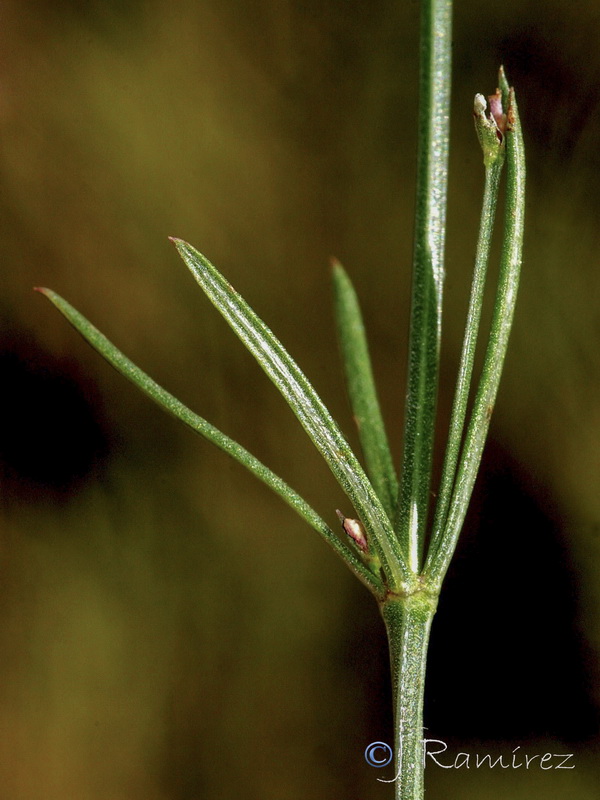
(384, 545)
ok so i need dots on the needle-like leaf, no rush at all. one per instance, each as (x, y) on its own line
(493, 145)
(308, 407)
(510, 267)
(170, 403)
(362, 390)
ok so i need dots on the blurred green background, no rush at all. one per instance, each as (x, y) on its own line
(168, 629)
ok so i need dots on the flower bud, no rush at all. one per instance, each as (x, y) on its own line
(490, 127)
(355, 530)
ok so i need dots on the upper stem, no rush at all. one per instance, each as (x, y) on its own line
(428, 277)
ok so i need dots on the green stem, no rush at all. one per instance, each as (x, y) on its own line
(408, 623)
(428, 277)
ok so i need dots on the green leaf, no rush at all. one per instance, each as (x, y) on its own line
(504, 306)
(170, 403)
(307, 406)
(428, 277)
(362, 390)
(493, 147)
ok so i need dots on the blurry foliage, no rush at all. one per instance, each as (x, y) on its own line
(140, 625)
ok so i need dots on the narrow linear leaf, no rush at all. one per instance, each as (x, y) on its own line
(428, 277)
(306, 405)
(362, 390)
(510, 266)
(171, 404)
(493, 146)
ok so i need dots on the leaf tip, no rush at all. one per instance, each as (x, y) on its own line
(337, 270)
(46, 292)
(504, 85)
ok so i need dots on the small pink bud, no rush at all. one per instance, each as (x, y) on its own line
(495, 101)
(354, 529)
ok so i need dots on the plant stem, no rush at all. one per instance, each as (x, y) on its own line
(428, 277)
(408, 622)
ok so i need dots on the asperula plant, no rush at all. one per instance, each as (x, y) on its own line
(390, 540)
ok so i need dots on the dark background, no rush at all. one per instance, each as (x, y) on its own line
(168, 629)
